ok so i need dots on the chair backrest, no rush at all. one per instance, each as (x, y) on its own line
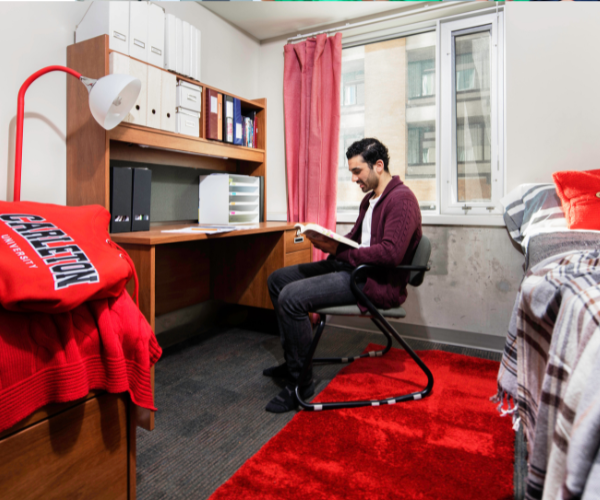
(421, 258)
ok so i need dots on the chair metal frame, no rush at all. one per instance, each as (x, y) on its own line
(379, 320)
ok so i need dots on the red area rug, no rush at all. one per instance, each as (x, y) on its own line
(450, 445)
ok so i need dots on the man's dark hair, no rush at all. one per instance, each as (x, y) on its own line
(371, 150)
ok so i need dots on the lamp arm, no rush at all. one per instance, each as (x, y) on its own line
(20, 117)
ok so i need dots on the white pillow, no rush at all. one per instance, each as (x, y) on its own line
(531, 209)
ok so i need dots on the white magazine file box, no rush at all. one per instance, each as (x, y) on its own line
(168, 102)
(154, 97)
(156, 36)
(138, 30)
(106, 18)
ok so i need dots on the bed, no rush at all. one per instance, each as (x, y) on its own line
(70, 388)
(76, 355)
(552, 351)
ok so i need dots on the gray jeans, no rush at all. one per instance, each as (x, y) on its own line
(297, 290)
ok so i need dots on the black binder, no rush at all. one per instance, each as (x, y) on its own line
(120, 199)
(228, 121)
(140, 211)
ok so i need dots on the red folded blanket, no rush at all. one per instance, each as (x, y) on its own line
(53, 358)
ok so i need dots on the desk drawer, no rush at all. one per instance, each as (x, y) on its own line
(303, 257)
(295, 243)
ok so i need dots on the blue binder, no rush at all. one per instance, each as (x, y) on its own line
(238, 124)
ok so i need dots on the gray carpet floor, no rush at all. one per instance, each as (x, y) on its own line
(211, 394)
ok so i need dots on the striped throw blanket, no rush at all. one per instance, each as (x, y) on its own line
(582, 477)
(574, 354)
(547, 335)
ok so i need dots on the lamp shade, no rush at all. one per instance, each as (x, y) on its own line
(112, 97)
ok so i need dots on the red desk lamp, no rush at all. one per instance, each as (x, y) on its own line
(111, 98)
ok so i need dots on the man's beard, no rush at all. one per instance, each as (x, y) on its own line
(371, 184)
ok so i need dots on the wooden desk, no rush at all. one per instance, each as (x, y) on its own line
(176, 270)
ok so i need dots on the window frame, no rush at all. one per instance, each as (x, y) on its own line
(448, 150)
(450, 213)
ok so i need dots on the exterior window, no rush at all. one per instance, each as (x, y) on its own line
(421, 152)
(472, 143)
(465, 79)
(349, 95)
(421, 76)
(471, 116)
(428, 81)
(442, 120)
(395, 102)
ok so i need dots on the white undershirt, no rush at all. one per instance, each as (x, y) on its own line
(366, 224)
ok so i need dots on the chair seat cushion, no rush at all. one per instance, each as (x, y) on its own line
(353, 310)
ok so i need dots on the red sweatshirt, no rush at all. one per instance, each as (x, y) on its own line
(102, 344)
(395, 234)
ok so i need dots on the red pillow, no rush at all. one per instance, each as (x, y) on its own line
(580, 196)
(53, 258)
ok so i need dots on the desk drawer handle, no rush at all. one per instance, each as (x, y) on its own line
(299, 239)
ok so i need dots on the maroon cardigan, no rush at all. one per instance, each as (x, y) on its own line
(395, 234)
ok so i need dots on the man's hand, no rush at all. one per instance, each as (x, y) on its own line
(323, 243)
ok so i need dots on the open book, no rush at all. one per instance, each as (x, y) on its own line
(315, 228)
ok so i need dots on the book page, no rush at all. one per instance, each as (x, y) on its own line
(316, 229)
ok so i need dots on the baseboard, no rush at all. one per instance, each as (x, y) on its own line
(420, 332)
(180, 325)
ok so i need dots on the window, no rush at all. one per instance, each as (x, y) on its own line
(349, 95)
(395, 102)
(352, 126)
(435, 100)
(421, 75)
(471, 118)
(421, 150)
(465, 79)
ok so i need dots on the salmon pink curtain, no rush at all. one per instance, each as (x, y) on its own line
(311, 94)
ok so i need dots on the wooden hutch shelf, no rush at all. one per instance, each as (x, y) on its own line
(169, 141)
(90, 148)
(176, 270)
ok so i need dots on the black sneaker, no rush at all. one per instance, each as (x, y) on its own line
(286, 400)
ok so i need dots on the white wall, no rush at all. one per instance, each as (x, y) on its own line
(552, 89)
(468, 296)
(271, 87)
(34, 35)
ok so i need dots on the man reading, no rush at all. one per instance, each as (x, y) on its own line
(388, 229)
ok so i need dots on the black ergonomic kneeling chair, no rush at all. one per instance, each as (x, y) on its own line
(417, 270)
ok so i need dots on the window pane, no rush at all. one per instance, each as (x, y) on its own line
(352, 125)
(473, 116)
(350, 95)
(428, 82)
(394, 101)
